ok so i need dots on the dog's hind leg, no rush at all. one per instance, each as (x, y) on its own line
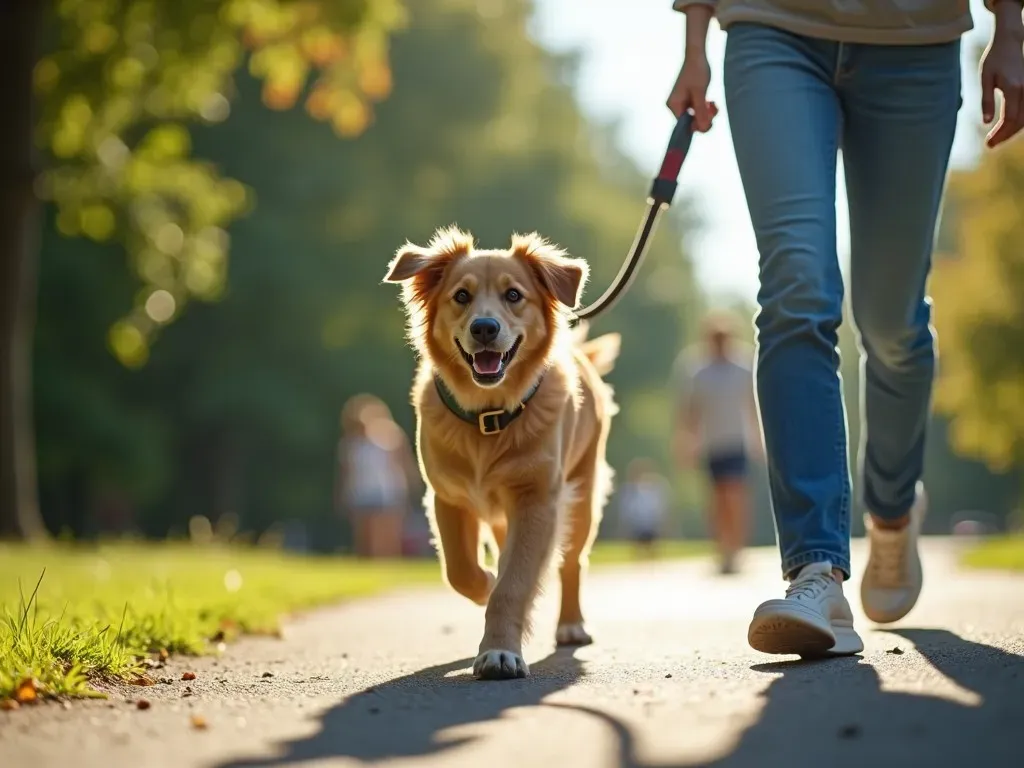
(458, 533)
(584, 516)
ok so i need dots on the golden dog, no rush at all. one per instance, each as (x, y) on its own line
(512, 422)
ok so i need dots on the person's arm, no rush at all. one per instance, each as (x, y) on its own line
(411, 468)
(340, 477)
(1002, 69)
(686, 424)
(691, 88)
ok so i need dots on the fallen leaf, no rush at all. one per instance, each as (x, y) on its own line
(897, 650)
(26, 691)
(199, 722)
(143, 681)
(142, 704)
(188, 676)
(8, 705)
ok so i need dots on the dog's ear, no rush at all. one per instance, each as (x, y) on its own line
(563, 277)
(420, 269)
(409, 261)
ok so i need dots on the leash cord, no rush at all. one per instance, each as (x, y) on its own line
(660, 198)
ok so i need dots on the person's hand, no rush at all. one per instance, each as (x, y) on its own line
(1002, 69)
(691, 92)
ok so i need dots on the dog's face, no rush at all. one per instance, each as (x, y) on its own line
(482, 316)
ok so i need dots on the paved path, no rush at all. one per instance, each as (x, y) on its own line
(670, 682)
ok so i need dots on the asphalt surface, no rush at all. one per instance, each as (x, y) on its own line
(669, 682)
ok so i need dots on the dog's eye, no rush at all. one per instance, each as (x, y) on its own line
(462, 296)
(512, 296)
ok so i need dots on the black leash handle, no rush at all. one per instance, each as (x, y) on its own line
(663, 190)
(664, 187)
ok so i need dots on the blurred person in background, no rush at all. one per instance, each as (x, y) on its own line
(376, 476)
(643, 505)
(716, 427)
(882, 81)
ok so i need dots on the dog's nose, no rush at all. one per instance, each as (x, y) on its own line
(485, 329)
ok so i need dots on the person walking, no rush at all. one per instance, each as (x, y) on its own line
(643, 506)
(716, 426)
(880, 80)
(376, 473)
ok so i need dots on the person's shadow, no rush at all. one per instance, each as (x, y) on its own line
(407, 716)
(836, 713)
(833, 712)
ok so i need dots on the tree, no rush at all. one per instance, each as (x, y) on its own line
(237, 408)
(114, 80)
(979, 315)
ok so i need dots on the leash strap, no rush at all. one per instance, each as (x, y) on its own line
(660, 198)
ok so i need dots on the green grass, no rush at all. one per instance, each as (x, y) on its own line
(1004, 553)
(71, 615)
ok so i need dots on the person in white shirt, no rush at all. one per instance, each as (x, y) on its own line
(375, 477)
(717, 426)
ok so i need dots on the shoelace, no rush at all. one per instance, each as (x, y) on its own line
(888, 560)
(810, 586)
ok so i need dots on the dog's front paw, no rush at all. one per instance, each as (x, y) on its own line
(500, 665)
(572, 635)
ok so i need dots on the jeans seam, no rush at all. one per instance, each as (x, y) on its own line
(838, 66)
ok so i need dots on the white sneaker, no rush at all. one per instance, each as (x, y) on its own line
(893, 577)
(814, 619)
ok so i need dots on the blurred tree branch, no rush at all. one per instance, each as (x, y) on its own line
(116, 80)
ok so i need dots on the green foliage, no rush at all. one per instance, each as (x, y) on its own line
(1004, 553)
(979, 315)
(121, 75)
(238, 407)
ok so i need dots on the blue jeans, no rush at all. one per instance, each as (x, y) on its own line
(793, 103)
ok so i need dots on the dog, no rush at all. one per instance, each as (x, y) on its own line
(512, 421)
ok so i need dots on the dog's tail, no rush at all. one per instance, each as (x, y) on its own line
(602, 351)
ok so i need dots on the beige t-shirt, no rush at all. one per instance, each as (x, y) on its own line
(877, 22)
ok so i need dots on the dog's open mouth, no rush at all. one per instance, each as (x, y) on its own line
(489, 365)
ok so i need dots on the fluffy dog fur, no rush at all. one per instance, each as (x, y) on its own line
(538, 486)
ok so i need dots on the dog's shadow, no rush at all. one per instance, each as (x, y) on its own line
(835, 712)
(410, 715)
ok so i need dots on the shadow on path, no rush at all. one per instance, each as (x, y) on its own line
(835, 713)
(406, 717)
(832, 713)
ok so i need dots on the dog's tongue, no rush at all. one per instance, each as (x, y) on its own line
(487, 362)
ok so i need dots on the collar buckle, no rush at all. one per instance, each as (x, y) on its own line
(494, 426)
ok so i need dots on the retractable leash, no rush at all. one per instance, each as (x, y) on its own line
(660, 198)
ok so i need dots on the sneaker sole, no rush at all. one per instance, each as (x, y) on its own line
(786, 632)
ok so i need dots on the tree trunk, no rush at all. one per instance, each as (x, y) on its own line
(20, 517)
